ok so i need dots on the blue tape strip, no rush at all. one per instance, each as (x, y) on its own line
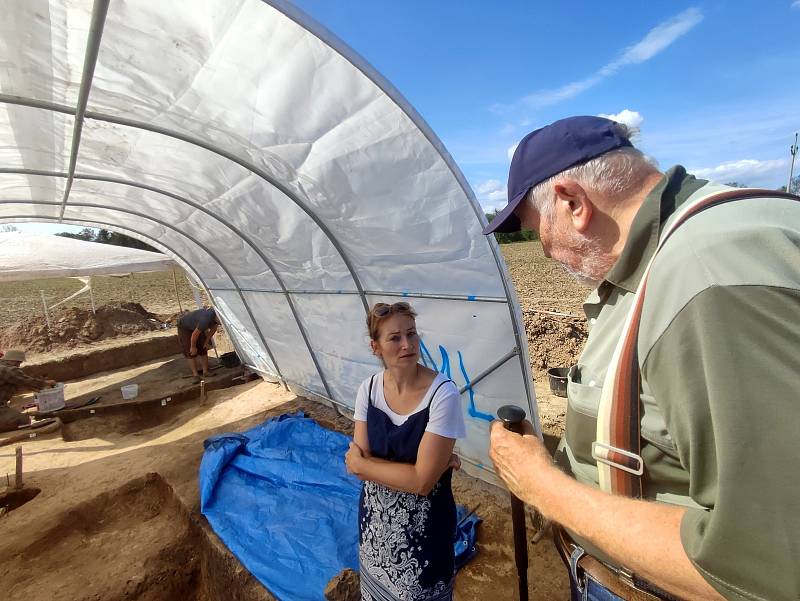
(471, 297)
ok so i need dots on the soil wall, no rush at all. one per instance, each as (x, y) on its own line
(85, 363)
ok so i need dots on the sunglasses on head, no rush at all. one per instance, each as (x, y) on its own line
(381, 309)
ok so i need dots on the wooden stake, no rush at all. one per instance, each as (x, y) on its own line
(46, 312)
(178, 296)
(18, 474)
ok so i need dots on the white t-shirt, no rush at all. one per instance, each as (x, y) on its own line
(445, 419)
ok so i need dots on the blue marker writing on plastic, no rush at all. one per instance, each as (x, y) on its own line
(425, 351)
(445, 361)
(472, 410)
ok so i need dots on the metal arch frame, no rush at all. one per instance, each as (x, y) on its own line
(99, 12)
(333, 41)
(115, 227)
(252, 169)
(488, 371)
(456, 297)
(308, 24)
(485, 373)
(213, 215)
(60, 108)
(179, 232)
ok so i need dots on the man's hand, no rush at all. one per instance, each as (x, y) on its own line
(50, 383)
(520, 460)
(352, 459)
(193, 351)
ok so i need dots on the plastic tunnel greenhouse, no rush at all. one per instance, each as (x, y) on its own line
(291, 180)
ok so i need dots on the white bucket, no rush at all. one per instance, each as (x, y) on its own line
(129, 391)
(51, 399)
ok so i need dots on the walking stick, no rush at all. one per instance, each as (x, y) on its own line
(512, 418)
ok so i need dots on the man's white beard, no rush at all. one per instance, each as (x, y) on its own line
(580, 278)
(593, 264)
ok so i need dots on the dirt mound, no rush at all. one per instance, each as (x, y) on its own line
(551, 307)
(553, 341)
(72, 326)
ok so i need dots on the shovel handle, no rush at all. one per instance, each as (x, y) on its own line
(512, 418)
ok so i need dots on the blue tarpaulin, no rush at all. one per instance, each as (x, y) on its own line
(280, 498)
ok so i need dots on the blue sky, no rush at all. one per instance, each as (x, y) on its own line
(712, 85)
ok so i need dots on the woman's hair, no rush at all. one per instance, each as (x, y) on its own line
(380, 312)
(614, 173)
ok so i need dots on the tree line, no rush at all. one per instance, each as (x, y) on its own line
(106, 237)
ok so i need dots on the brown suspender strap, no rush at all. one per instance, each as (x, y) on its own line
(617, 449)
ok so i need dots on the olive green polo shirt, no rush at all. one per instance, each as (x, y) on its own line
(719, 352)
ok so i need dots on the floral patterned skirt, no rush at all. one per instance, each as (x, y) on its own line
(406, 544)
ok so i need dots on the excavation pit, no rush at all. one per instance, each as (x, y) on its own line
(13, 499)
(137, 542)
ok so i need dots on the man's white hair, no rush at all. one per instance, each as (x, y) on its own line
(614, 174)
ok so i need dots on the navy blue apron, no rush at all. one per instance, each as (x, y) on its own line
(405, 540)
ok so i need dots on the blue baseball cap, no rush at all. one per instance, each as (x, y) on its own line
(550, 150)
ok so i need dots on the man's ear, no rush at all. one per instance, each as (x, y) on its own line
(572, 199)
(374, 346)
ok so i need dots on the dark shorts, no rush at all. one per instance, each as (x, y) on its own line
(10, 418)
(185, 339)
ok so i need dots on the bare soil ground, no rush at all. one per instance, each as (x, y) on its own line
(114, 518)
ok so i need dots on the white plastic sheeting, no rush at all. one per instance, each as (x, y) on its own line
(293, 181)
(25, 256)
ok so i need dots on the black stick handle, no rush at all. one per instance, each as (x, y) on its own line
(512, 418)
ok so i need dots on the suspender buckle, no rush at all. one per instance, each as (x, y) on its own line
(618, 458)
(626, 576)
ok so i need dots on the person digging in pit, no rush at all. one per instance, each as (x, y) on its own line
(196, 332)
(13, 381)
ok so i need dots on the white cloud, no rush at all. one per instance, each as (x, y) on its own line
(491, 193)
(656, 40)
(750, 172)
(659, 38)
(632, 119)
(796, 4)
(490, 185)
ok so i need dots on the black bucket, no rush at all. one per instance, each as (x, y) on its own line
(229, 360)
(558, 380)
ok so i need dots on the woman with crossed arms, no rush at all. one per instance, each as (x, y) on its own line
(407, 420)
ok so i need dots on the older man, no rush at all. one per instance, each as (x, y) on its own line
(13, 381)
(678, 466)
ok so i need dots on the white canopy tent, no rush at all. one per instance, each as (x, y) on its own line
(277, 167)
(27, 256)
